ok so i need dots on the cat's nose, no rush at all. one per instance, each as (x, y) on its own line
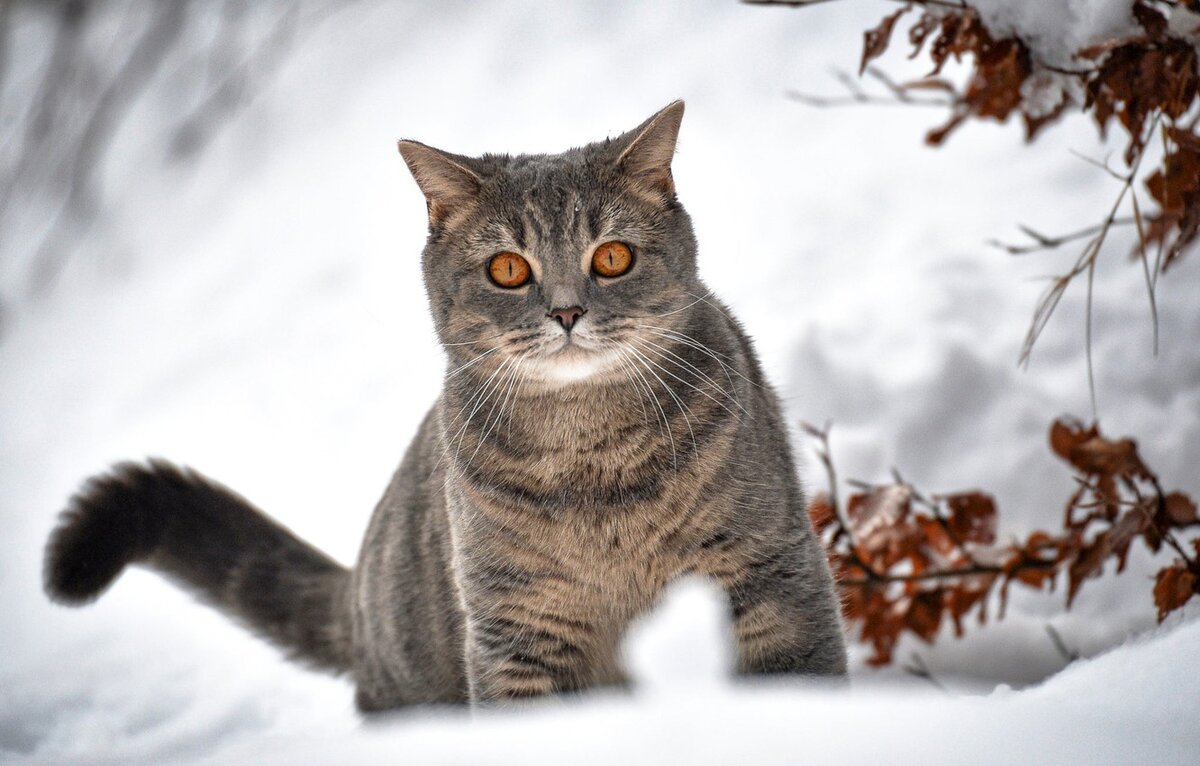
(568, 316)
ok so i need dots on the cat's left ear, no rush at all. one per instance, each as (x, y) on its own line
(445, 180)
(646, 158)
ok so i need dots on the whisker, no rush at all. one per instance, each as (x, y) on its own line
(665, 421)
(717, 308)
(695, 388)
(471, 363)
(476, 342)
(625, 370)
(487, 430)
(717, 356)
(675, 311)
(517, 395)
(462, 432)
(680, 360)
(683, 409)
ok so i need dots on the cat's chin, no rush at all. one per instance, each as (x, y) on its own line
(571, 365)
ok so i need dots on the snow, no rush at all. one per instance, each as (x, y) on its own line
(1056, 30)
(261, 318)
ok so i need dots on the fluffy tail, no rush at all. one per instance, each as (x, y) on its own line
(213, 542)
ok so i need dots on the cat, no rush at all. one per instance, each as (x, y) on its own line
(604, 428)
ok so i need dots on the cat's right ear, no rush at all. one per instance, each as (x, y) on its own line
(447, 183)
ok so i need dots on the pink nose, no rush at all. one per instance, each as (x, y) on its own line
(567, 317)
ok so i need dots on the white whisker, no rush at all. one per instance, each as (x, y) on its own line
(661, 351)
(683, 409)
(471, 363)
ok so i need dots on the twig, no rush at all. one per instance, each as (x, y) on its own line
(918, 668)
(1047, 242)
(1085, 263)
(1068, 654)
(898, 95)
(974, 570)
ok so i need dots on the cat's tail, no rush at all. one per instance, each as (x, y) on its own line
(213, 542)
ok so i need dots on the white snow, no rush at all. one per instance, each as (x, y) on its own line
(262, 319)
(1056, 30)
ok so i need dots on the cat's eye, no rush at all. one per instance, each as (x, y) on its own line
(509, 270)
(612, 259)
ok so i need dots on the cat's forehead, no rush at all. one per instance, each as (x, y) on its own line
(549, 176)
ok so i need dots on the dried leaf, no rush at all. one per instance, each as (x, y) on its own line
(1114, 458)
(962, 598)
(1172, 589)
(936, 537)
(821, 512)
(936, 136)
(876, 522)
(972, 517)
(924, 615)
(1066, 435)
(1132, 523)
(1150, 20)
(918, 32)
(1088, 563)
(875, 41)
(1181, 511)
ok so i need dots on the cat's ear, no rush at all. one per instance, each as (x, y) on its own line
(445, 180)
(648, 149)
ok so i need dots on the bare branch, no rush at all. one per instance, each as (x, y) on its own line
(1047, 242)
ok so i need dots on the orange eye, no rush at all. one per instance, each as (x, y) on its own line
(509, 270)
(612, 259)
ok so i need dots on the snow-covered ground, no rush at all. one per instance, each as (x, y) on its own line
(261, 317)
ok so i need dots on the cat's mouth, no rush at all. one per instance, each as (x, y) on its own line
(571, 359)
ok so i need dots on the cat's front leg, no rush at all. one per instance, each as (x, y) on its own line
(785, 615)
(511, 659)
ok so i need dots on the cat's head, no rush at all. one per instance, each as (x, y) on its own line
(564, 264)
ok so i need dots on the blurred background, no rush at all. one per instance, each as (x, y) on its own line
(209, 251)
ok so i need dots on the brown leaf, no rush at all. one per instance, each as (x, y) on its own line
(821, 513)
(972, 517)
(1134, 522)
(1150, 20)
(962, 597)
(882, 623)
(876, 521)
(918, 32)
(1066, 435)
(995, 87)
(1174, 586)
(1088, 563)
(1185, 138)
(1181, 511)
(924, 615)
(875, 41)
(935, 535)
(1115, 458)
(936, 136)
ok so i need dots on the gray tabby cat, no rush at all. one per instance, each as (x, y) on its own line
(604, 428)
